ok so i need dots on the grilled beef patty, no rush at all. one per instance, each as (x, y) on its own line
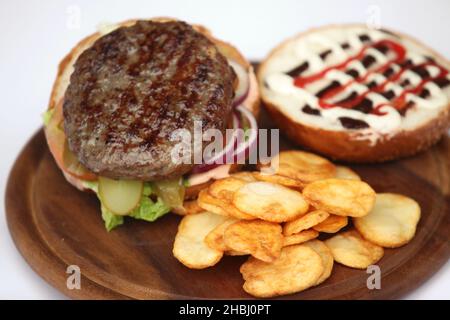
(134, 87)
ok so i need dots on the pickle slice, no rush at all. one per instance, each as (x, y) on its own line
(171, 192)
(120, 196)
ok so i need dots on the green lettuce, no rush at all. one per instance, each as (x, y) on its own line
(147, 209)
(185, 182)
(111, 220)
(46, 116)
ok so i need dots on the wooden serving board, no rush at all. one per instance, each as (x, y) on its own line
(54, 225)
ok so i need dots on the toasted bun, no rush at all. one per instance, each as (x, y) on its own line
(65, 69)
(342, 145)
(339, 145)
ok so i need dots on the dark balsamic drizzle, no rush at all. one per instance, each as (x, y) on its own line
(421, 71)
(351, 123)
(388, 94)
(382, 48)
(297, 71)
(442, 82)
(405, 64)
(364, 38)
(325, 54)
(405, 109)
(367, 61)
(308, 110)
(352, 73)
(388, 72)
(425, 93)
(365, 106)
(333, 85)
(405, 83)
(371, 84)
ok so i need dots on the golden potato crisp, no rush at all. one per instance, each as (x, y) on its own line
(304, 222)
(341, 197)
(220, 206)
(225, 188)
(215, 240)
(327, 258)
(261, 239)
(332, 224)
(351, 250)
(244, 176)
(277, 179)
(189, 246)
(303, 166)
(346, 173)
(270, 202)
(392, 222)
(189, 207)
(300, 237)
(297, 268)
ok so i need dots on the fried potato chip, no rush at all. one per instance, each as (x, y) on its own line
(303, 166)
(215, 240)
(297, 268)
(189, 246)
(327, 258)
(300, 237)
(244, 176)
(270, 202)
(304, 222)
(209, 203)
(235, 253)
(332, 224)
(341, 197)
(352, 250)
(189, 207)
(346, 173)
(277, 179)
(392, 222)
(261, 239)
(220, 206)
(225, 188)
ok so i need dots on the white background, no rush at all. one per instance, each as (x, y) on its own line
(35, 35)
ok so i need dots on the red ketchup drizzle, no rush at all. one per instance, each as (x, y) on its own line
(399, 58)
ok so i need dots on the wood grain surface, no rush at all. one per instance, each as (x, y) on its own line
(54, 225)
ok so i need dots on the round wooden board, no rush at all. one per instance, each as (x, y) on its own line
(54, 226)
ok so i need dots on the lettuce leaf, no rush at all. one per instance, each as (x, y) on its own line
(185, 182)
(111, 220)
(147, 209)
(47, 115)
(92, 185)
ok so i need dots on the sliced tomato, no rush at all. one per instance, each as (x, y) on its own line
(74, 167)
(58, 145)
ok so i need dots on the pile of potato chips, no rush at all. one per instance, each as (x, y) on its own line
(275, 218)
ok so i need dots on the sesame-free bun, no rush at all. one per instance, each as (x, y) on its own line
(343, 144)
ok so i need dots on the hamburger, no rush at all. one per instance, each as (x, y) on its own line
(121, 94)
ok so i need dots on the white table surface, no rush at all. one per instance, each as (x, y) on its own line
(35, 35)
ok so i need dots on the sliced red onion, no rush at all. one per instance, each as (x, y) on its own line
(232, 150)
(220, 157)
(203, 168)
(252, 139)
(244, 83)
